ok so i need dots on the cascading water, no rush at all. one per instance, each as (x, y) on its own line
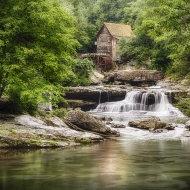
(142, 104)
(153, 102)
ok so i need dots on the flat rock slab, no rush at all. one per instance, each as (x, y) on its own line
(25, 131)
(128, 76)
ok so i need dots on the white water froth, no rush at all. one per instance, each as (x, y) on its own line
(143, 104)
(134, 134)
(153, 102)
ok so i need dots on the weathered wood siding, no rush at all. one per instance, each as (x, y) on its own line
(108, 38)
(107, 44)
(114, 49)
(104, 42)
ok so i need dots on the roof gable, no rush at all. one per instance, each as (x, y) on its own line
(118, 30)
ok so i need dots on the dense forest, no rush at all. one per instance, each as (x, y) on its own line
(40, 40)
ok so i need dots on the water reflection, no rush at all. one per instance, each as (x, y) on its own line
(110, 165)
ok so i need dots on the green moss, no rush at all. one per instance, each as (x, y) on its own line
(60, 112)
(183, 104)
(53, 143)
(20, 143)
(5, 128)
(13, 132)
(34, 143)
(84, 141)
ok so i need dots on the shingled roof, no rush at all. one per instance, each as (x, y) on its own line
(119, 29)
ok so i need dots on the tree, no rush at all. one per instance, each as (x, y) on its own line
(108, 11)
(170, 21)
(138, 48)
(37, 46)
(157, 29)
(83, 68)
(81, 11)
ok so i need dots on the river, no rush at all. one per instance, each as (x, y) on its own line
(138, 160)
(121, 164)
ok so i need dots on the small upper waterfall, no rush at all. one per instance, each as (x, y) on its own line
(152, 101)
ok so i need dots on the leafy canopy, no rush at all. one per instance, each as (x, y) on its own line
(162, 34)
(37, 46)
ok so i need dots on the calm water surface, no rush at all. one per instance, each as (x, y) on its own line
(121, 164)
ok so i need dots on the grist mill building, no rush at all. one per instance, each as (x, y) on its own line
(108, 38)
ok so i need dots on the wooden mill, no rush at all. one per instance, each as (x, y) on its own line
(107, 42)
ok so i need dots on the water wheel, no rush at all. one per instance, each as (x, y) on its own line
(104, 63)
(101, 61)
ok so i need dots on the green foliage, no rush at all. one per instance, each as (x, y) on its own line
(13, 132)
(90, 15)
(183, 103)
(37, 47)
(53, 143)
(61, 112)
(161, 30)
(81, 11)
(131, 11)
(162, 35)
(84, 141)
(134, 51)
(108, 11)
(82, 69)
(170, 25)
(38, 43)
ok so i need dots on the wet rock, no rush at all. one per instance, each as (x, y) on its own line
(117, 125)
(96, 93)
(25, 131)
(84, 105)
(87, 98)
(187, 125)
(186, 133)
(30, 121)
(103, 118)
(55, 122)
(133, 77)
(170, 126)
(96, 78)
(86, 122)
(108, 122)
(152, 130)
(153, 124)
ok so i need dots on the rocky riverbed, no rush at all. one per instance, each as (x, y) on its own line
(25, 131)
(78, 127)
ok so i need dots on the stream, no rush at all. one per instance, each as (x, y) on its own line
(142, 164)
(138, 159)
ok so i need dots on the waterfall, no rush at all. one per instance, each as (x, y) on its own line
(104, 95)
(100, 96)
(150, 101)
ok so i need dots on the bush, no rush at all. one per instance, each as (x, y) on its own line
(183, 104)
(82, 69)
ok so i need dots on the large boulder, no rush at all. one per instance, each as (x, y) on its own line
(186, 133)
(151, 124)
(86, 122)
(96, 78)
(134, 77)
